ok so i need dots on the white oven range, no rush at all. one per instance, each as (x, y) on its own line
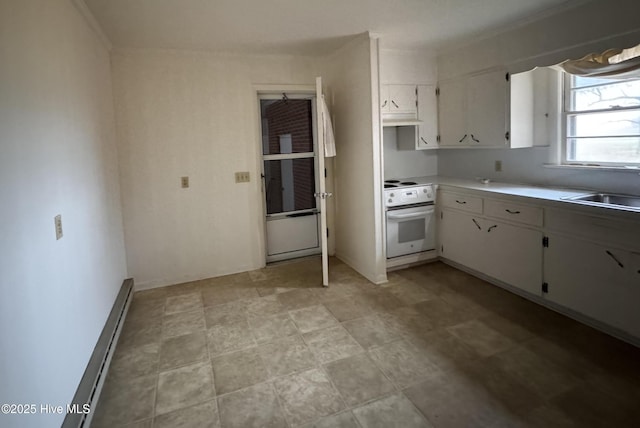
(410, 217)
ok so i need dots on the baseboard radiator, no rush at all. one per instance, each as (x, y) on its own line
(89, 388)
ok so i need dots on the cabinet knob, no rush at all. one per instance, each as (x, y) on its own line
(462, 139)
(384, 104)
(474, 139)
(423, 140)
(394, 103)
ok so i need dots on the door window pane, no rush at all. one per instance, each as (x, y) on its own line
(286, 126)
(290, 185)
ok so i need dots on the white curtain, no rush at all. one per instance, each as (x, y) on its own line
(612, 63)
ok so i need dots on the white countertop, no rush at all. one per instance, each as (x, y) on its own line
(555, 197)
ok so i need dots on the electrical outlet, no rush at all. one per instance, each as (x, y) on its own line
(184, 181)
(498, 166)
(57, 220)
(242, 177)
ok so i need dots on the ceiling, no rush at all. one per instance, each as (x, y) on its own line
(305, 26)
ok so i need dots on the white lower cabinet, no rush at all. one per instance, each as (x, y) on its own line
(589, 265)
(514, 256)
(595, 280)
(508, 253)
(461, 239)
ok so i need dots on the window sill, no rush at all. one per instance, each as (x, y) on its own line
(585, 167)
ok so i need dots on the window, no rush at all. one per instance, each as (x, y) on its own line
(602, 121)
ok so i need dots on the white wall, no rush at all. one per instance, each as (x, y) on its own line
(572, 33)
(350, 79)
(193, 114)
(57, 156)
(406, 163)
(408, 66)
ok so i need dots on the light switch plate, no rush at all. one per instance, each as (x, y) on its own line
(243, 177)
(184, 181)
(498, 166)
(57, 220)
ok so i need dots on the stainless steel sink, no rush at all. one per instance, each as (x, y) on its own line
(609, 199)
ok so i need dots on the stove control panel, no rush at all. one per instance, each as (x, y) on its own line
(408, 195)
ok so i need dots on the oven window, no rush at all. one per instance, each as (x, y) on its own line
(411, 230)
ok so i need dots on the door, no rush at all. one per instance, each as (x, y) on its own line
(452, 113)
(514, 255)
(322, 195)
(428, 115)
(590, 279)
(402, 99)
(462, 239)
(487, 109)
(290, 173)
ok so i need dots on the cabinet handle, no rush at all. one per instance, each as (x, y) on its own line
(476, 223)
(462, 139)
(384, 104)
(423, 140)
(614, 258)
(492, 227)
(394, 103)
(474, 139)
(512, 212)
(461, 202)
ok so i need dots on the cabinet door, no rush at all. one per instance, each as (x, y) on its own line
(452, 120)
(590, 279)
(428, 115)
(631, 303)
(462, 239)
(402, 100)
(514, 256)
(487, 109)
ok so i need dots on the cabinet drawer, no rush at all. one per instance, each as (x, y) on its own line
(514, 212)
(470, 204)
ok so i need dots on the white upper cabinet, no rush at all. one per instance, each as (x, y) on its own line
(451, 114)
(424, 135)
(398, 101)
(495, 109)
(428, 116)
(487, 109)
(473, 111)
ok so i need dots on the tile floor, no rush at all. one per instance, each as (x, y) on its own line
(434, 347)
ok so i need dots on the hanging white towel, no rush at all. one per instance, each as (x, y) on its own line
(329, 139)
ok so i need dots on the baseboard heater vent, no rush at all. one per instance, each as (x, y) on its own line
(93, 378)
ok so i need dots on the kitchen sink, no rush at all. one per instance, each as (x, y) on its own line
(609, 199)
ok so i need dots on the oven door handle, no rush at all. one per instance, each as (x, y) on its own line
(418, 214)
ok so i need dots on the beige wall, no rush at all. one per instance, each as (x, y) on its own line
(57, 156)
(193, 114)
(352, 81)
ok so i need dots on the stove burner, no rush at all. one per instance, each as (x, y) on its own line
(408, 183)
(387, 186)
(392, 181)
